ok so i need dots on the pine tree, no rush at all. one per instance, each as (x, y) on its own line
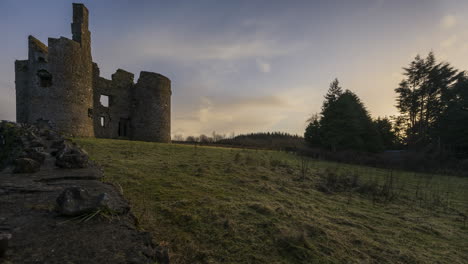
(343, 124)
(420, 96)
(334, 92)
(346, 125)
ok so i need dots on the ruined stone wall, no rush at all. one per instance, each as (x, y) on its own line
(113, 121)
(135, 111)
(32, 96)
(71, 95)
(57, 85)
(151, 112)
(60, 84)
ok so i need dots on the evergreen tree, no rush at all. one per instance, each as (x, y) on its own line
(334, 92)
(344, 123)
(420, 96)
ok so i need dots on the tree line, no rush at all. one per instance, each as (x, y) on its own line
(267, 140)
(263, 140)
(433, 103)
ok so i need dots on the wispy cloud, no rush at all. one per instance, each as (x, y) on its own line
(448, 21)
(449, 42)
(185, 46)
(175, 49)
(231, 114)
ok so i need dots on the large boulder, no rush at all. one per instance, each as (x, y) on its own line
(26, 165)
(70, 156)
(76, 201)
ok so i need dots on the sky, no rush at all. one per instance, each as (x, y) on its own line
(248, 66)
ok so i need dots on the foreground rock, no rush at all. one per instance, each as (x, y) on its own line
(71, 156)
(77, 201)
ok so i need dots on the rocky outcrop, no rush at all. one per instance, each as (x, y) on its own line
(35, 140)
(63, 211)
(71, 156)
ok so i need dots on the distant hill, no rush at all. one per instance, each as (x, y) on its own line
(262, 140)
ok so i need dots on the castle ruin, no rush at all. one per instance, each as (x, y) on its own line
(60, 83)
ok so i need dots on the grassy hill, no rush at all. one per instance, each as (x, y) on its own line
(221, 205)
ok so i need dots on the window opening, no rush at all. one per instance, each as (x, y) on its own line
(103, 121)
(104, 99)
(45, 78)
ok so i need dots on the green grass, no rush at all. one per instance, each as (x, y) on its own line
(220, 205)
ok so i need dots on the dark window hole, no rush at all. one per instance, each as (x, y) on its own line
(45, 78)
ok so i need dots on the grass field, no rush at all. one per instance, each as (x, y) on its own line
(221, 205)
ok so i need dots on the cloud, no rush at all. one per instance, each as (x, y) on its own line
(230, 104)
(231, 114)
(448, 21)
(449, 42)
(177, 45)
(285, 110)
(263, 66)
(179, 50)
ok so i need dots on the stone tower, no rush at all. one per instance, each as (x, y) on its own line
(55, 83)
(61, 84)
(152, 108)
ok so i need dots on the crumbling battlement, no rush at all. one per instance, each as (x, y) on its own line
(60, 83)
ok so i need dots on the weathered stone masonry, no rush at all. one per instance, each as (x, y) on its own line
(61, 84)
